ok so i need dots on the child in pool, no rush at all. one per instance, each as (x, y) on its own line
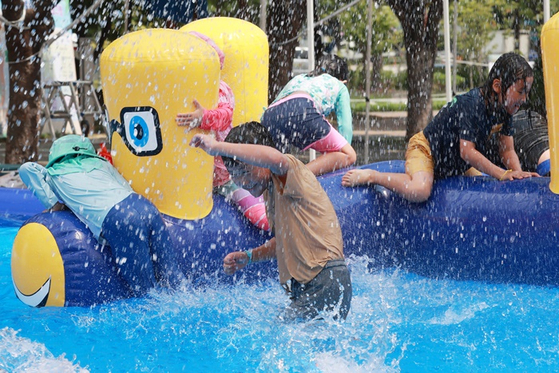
(308, 242)
(78, 179)
(455, 140)
(297, 116)
(219, 120)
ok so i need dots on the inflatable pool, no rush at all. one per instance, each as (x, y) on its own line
(473, 228)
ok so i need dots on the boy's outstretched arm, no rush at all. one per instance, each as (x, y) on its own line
(256, 155)
(34, 177)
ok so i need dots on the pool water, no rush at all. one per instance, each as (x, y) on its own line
(399, 322)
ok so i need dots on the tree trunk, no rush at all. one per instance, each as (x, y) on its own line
(24, 60)
(285, 19)
(420, 23)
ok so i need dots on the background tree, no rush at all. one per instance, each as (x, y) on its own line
(387, 35)
(249, 10)
(284, 23)
(420, 21)
(475, 15)
(24, 41)
(112, 20)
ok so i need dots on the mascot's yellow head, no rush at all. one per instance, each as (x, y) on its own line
(148, 77)
(550, 60)
(151, 75)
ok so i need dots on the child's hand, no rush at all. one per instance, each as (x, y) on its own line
(193, 119)
(511, 175)
(204, 142)
(234, 262)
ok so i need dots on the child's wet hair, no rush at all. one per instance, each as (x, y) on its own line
(509, 68)
(247, 133)
(332, 65)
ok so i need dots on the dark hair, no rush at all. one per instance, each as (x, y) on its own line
(247, 133)
(332, 65)
(509, 68)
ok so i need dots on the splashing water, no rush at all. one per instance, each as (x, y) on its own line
(399, 322)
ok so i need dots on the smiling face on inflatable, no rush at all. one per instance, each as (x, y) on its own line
(148, 77)
(38, 275)
(56, 261)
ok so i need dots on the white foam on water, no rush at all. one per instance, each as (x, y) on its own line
(398, 322)
(21, 355)
(456, 316)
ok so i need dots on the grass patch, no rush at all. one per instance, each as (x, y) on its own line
(390, 106)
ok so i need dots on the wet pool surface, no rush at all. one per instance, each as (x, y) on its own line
(399, 322)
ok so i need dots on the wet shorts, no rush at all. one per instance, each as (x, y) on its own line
(418, 155)
(296, 121)
(330, 291)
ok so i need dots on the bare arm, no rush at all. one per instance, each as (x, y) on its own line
(508, 154)
(239, 259)
(333, 161)
(472, 156)
(256, 155)
(192, 119)
(217, 119)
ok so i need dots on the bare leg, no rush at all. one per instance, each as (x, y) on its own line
(414, 188)
(329, 162)
(545, 156)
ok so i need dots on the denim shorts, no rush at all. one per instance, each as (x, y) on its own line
(295, 122)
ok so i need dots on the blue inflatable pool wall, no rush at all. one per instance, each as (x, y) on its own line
(471, 229)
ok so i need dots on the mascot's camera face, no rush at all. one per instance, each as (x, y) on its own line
(140, 130)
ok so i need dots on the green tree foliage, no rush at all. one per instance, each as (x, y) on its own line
(474, 15)
(249, 10)
(112, 20)
(386, 35)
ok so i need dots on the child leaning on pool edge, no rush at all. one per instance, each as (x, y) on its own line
(297, 116)
(307, 239)
(455, 140)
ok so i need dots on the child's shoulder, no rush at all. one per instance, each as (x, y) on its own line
(294, 162)
(473, 97)
(470, 102)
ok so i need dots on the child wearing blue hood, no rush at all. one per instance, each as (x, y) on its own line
(78, 179)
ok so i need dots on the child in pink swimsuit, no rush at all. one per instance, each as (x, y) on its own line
(298, 116)
(219, 120)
